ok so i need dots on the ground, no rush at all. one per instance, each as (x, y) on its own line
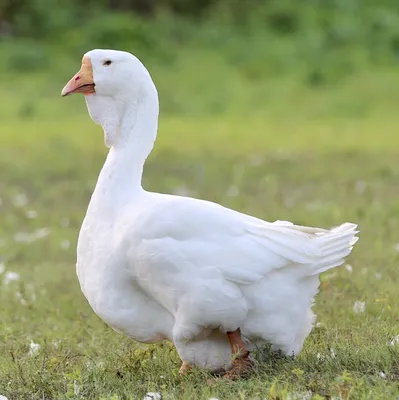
(306, 159)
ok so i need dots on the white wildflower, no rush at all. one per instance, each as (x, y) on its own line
(24, 237)
(65, 244)
(76, 388)
(378, 276)
(31, 214)
(320, 325)
(41, 233)
(382, 375)
(359, 307)
(330, 275)
(321, 357)
(10, 276)
(349, 268)
(300, 396)
(332, 352)
(33, 348)
(153, 396)
(20, 200)
(21, 298)
(162, 377)
(394, 341)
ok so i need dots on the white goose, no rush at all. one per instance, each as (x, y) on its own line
(156, 266)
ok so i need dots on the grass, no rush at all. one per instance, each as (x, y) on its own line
(314, 156)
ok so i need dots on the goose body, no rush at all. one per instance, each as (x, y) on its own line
(157, 266)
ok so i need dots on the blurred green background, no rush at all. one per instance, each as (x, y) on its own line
(273, 62)
(280, 109)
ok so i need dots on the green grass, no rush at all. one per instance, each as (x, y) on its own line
(313, 156)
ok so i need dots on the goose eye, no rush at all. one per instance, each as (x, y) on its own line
(108, 62)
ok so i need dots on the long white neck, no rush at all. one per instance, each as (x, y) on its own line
(130, 129)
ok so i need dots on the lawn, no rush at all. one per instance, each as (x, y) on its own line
(313, 156)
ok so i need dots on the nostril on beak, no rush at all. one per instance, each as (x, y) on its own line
(77, 78)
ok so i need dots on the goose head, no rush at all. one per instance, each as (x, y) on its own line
(116, 85)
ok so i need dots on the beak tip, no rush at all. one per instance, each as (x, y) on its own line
(65, 91)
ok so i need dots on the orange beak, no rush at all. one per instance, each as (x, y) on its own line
(82, 82)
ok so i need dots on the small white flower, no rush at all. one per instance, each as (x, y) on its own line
(300, 396)
(153, 396)
(20, 297)
(3, 397)
(332, 352)
(31, 214)
(382, 375)
(10, 276)
(359, 307)
(76, 388)
(321, 357)
(394, 341)
(331, 275)
(378, 276)
(33, 348)
(24, 237)
(65, 244)
(320, 325)
(349, 268)
(233, 191)
(41, 233)
(162, 377)
(20, 200)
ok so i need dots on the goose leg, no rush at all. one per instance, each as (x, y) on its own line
(241, 365)
(184, 369)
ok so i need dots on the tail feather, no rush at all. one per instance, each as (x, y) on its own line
(335, 245)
